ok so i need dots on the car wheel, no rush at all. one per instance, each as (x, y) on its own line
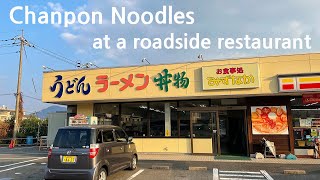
(102, 175)
(133, 163)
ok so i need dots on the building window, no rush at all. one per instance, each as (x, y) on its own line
(134, 119)
(157, 119)
(185, 115)
(202, 124)
(71, 111)
(163, 119)
(185, 124)
(306, 121)
(107, 114)
(174, 119)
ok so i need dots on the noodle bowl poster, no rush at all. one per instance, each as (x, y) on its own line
(269, 120)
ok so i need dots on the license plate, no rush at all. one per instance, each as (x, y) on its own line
(69, 159)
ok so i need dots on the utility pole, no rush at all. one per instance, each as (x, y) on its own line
(18, 95)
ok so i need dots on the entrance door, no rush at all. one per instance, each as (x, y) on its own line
(233, 132)
(226, 128)
(204, 125)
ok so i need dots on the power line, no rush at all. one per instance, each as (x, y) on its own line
(5, 40)
(61, 57)
(54, 56)
(8, 46)
(53, 53)
(32, 97)
(10, 53)
(4, 32)
(6, 94)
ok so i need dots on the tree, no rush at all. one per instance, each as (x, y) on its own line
(9, 123)
(28, 127)
(44, 127)
(4, 128)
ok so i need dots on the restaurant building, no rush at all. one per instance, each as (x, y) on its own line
(209, 107)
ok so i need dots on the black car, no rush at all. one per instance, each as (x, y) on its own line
(90, 152)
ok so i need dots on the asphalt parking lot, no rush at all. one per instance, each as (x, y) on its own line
(24, 164)
(13, 166)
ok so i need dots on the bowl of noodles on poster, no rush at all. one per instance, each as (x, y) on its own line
(269, 120)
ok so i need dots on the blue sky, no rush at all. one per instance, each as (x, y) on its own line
(213, 18)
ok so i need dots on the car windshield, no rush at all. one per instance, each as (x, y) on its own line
(72, 138)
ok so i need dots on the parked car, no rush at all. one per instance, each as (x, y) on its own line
(90, 152)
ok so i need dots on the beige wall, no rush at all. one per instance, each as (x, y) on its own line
(85, 109)
(269, 68)
(173, 145)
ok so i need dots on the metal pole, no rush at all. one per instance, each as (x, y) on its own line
(38, 134)
(218, 133)
(18, 95)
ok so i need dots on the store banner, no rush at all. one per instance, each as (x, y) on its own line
(230, 76)
(269, 120)
(311, 98)
(299, 82)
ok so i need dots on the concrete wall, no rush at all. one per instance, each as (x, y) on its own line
(55, 121)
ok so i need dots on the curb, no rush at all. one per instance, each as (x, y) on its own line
(160, 167)
(294, 172)
(197, 168)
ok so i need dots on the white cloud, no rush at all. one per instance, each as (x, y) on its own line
(297, 28)
(69, 37)
(293, 28)
(55, 6)
(81, 8)
(125, 3)
(56, 25)
(213, 19)
(81, 51)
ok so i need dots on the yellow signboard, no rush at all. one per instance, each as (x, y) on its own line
(230, 76)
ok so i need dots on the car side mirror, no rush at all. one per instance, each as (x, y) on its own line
(130, 139)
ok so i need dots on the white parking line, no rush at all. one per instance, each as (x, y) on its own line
(135, 174)
(239, 179)
(242, 175)
(266, 175)
(215, 174)
(17, 167)
(13, 158)
(22, 162)
(244, 172)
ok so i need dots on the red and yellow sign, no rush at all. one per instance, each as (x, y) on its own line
(299, 83)
(230, 76)
(288, 84)
(308, 83)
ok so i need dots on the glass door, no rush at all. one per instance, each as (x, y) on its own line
(204, 125)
